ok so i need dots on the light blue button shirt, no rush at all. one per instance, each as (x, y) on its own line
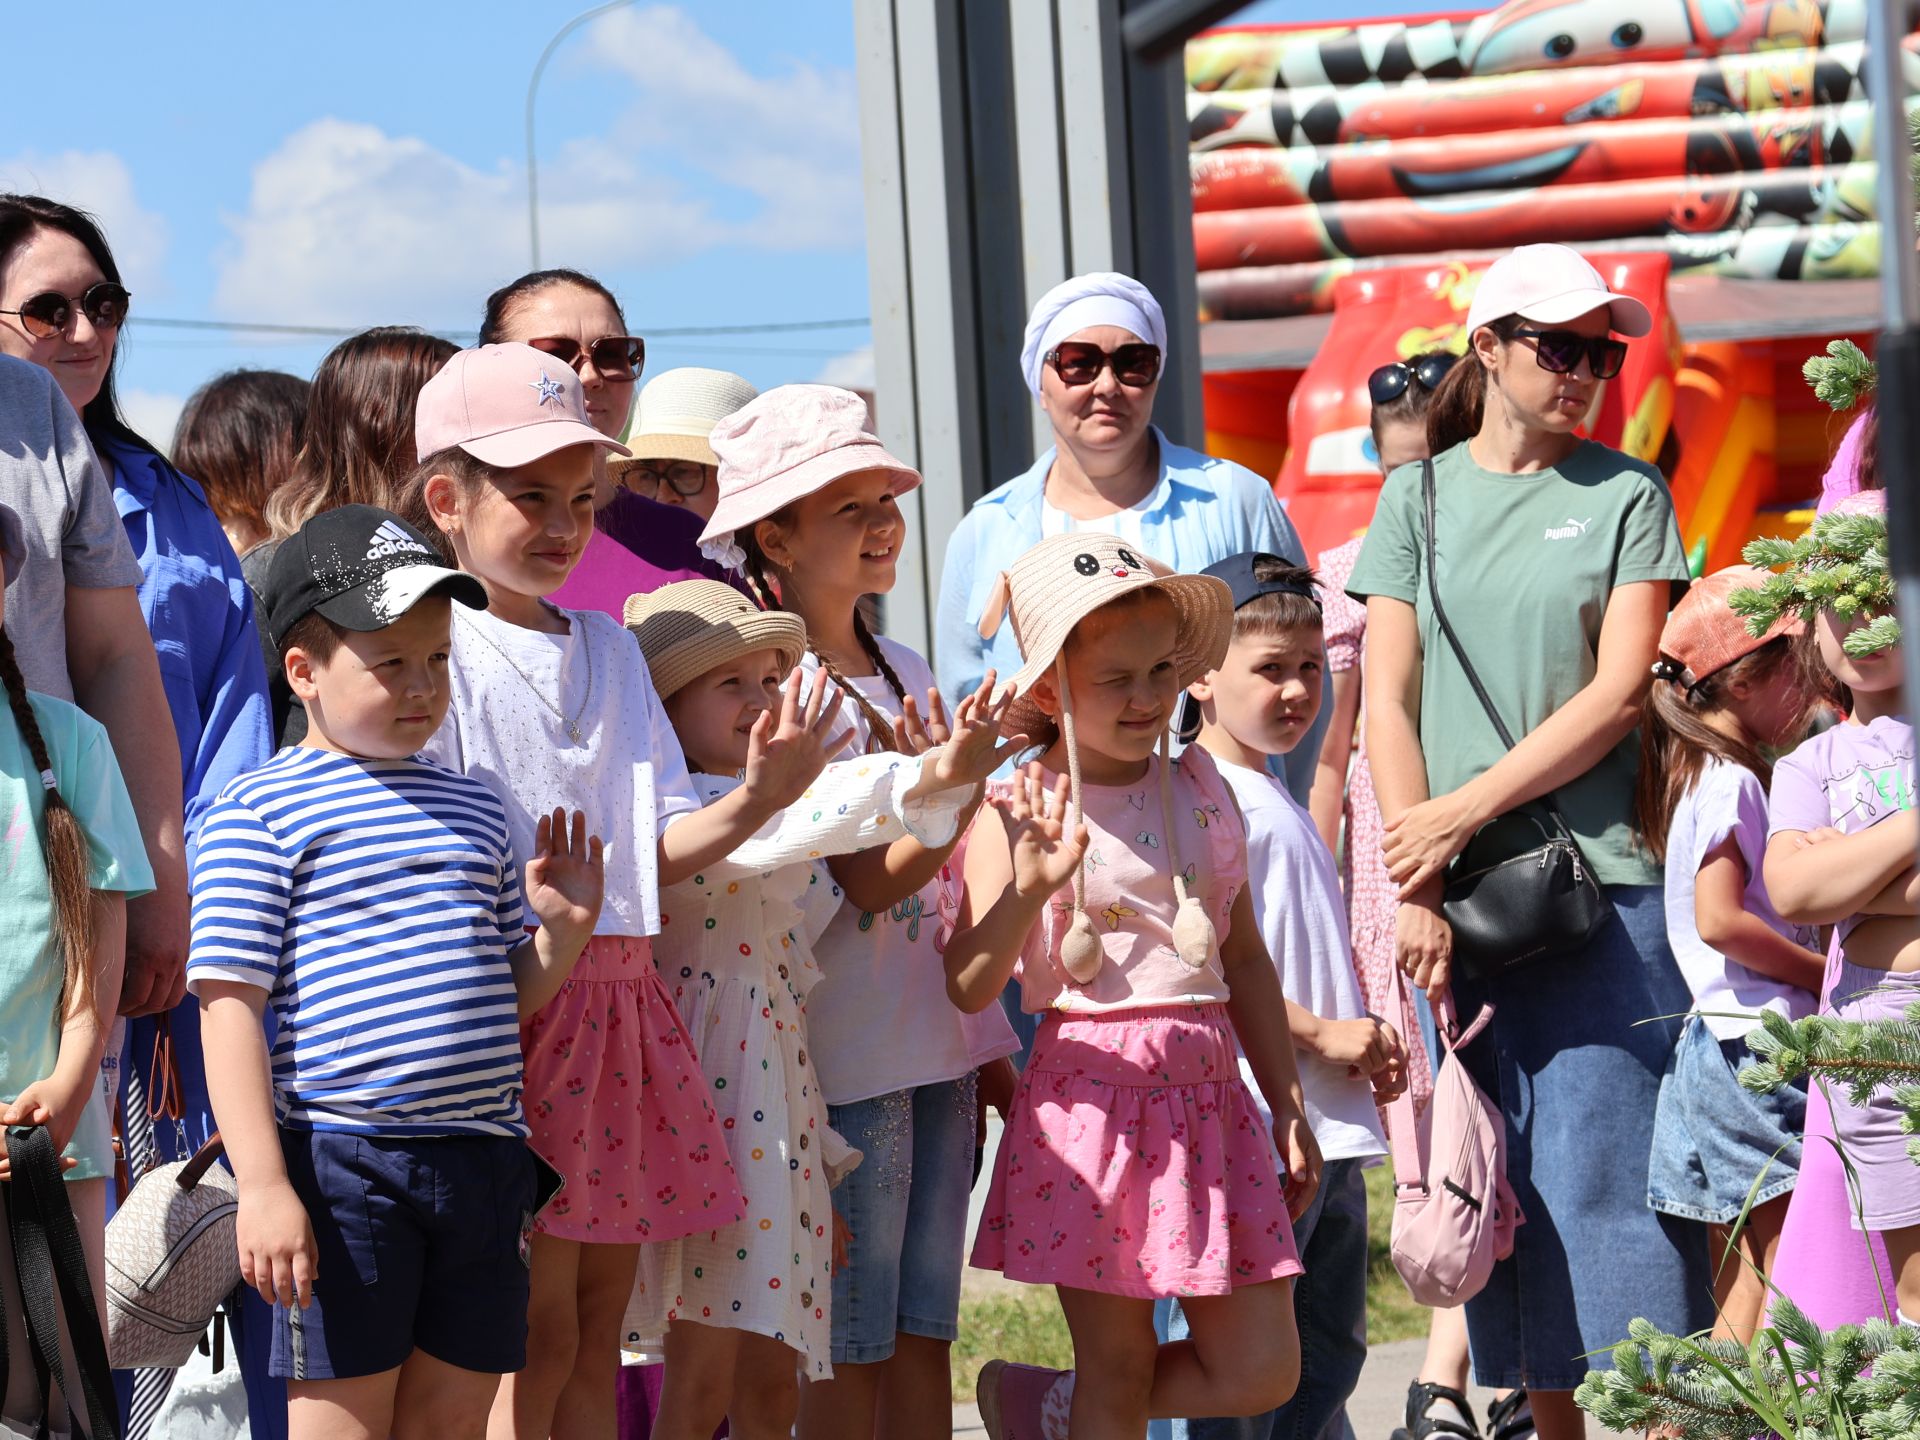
(1204, 511)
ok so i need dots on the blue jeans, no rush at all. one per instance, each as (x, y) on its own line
(1330, 1312)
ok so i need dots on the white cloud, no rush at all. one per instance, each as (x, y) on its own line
(153, 415)
(851, 371)
(99, 182)
(347, 224)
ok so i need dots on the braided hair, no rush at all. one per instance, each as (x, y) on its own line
(64, 846)
(879, 727)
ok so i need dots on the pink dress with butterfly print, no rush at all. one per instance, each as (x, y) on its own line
(1135, 1161)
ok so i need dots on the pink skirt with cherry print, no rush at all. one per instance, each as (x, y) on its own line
(616, 1103)
(1135, 1162)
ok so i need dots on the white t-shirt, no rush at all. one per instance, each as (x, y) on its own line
(625, 772)
(1303, 919)
(1126, 524)
(1727, 800)
(880, 1020)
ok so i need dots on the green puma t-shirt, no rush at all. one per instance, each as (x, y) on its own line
(1526, 564)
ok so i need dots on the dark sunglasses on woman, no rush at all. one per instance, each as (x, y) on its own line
(1077, 362)
(687, 477)
(50, 313)
(616, 357)
(1390, 382)
(1560, 350)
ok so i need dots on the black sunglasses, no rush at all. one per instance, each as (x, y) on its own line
(1390, 382)
(1559, 351)
(687, 477)
(50, 313)
(1077, 362)
(616, 357)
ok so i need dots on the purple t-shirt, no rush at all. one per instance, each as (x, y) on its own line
(638, 545)
(1848, 777)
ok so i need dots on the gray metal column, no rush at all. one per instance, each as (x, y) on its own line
(1006, 145)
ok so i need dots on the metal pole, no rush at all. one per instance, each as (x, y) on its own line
(1897, 388)
(533, 85)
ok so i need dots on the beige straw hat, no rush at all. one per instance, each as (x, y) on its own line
(1059, 582)
(676, 412)
(1052, 588)
(687, 628)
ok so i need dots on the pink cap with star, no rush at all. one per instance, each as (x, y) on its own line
(505, 405)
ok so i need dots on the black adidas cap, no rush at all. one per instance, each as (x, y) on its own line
(362, 568)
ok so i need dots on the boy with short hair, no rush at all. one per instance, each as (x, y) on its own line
(386, 1188)
(1261, 702)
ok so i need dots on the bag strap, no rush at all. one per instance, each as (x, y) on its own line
(48, 1256)
(1406, 1136)
(202, 1161)
(1459, 650)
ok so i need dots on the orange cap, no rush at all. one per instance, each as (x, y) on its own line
(1703, 634)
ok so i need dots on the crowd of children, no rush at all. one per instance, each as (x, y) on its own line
(575, 987)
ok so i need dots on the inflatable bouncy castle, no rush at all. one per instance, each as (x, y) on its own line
(1712, 157)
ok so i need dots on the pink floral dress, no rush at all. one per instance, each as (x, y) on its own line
(1372, 897)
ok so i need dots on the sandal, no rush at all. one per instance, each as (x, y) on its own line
(1511, 1418)
(1421, 1395)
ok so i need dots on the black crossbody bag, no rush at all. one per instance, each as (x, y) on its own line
(1521, 890)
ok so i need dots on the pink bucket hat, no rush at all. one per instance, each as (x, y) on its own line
(505, 405)
(786, 444)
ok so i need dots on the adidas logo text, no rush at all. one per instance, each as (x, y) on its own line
(390, 539)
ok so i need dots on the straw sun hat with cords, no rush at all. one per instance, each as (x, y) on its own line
(693, 626)
(791, 442)
(1841, 564)
(674, 416)
(1051, 589)
(1704, 635)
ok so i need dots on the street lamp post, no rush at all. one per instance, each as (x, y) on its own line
(533, 86)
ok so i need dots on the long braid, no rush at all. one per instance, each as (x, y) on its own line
(879, 728)
(65, 847)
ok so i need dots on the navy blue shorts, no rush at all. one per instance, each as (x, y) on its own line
(420, 1245)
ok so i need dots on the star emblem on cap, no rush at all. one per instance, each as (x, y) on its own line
(548, 387)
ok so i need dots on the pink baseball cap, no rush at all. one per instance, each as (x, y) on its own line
(505, 405)
(786, 444)
(1551, 284)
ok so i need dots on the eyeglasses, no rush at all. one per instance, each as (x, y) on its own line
(616, 357)
(1559, 351)
(50, 313)
(1078, 363)
(1390, 382)
(687, 477)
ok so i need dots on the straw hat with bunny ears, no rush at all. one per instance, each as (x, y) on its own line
(1049, 590)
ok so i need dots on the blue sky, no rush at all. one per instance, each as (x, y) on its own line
(357, 163)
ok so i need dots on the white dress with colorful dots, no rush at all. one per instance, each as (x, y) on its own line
(735, 950)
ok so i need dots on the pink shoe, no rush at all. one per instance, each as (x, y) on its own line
(1023, 1402)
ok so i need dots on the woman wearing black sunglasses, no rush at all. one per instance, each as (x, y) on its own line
(1557, 559)
(637, 544)
(62, 305)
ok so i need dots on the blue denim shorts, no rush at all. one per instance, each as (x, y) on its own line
(1713, 1137)
(419, 1243)
(906, 1204)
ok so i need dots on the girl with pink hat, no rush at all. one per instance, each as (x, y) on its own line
(809, 509)
(554, 707)
(1113, 882)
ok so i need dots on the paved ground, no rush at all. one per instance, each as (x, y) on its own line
(1376, 1409)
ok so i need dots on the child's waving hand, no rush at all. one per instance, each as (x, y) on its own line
(973, 749)
(785, 755)
(1044, 854)
(565, 877)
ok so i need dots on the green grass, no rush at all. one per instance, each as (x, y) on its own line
(1025, 1324)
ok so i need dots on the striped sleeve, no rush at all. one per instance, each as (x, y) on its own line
(509, 909)
(242, 883)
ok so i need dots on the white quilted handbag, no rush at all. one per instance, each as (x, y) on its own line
(171, 1259)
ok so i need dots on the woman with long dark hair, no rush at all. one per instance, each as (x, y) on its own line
(61, 307)
(1557, 559)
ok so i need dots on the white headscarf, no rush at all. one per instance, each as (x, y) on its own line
(1103, 298)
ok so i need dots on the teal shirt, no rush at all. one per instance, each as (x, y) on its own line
(1526, 564)
(30, 959)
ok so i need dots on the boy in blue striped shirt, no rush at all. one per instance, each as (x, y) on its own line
(370, 897)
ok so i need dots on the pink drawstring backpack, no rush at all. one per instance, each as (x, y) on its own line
(1454, 1213)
